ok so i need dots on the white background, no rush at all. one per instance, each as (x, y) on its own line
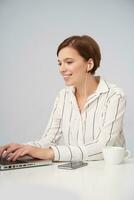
(30, 31)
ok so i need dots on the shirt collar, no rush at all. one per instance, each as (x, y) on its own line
(103, 86)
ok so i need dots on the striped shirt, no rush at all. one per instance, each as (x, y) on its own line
(81, 136)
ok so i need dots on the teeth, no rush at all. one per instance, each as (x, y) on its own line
(67, 75)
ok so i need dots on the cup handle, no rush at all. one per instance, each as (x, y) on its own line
(127, 154)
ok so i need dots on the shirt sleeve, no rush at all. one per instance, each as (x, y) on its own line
(110, 134)
(53, 131)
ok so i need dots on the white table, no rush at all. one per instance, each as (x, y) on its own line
(96, 181)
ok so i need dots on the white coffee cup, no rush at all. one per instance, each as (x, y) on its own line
(115, 155)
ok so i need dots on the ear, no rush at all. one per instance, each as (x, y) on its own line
(90, 64)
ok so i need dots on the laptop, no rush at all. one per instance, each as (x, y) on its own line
(23, 162)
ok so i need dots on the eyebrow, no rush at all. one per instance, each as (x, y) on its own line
(65, 59)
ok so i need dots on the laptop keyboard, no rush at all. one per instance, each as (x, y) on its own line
(4, 161)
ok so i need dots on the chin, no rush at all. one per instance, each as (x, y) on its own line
(68, 84)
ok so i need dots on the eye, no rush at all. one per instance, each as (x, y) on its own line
(69, 62)
(59, 64)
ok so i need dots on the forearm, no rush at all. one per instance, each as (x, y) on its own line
(90, 151)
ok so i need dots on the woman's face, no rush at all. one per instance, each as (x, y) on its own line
(73, 67)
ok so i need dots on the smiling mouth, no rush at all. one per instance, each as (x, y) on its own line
(67, 75)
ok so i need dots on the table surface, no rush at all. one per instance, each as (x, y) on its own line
(94, 181)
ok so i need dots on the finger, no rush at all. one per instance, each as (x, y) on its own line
(14, 156)
(20, 152)
(9, 156)
(12, 148)
(3, 149)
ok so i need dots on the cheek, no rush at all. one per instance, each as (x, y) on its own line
(79, 70)
(76, 68)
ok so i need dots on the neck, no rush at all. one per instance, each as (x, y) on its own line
(88, 87)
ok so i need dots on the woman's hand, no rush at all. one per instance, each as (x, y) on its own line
(14, 151)
(7, 149)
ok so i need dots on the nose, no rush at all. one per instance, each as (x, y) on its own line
(62, 68)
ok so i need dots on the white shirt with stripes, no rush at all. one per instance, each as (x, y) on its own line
(81, 136)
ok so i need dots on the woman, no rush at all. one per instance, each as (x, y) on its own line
(87, 114)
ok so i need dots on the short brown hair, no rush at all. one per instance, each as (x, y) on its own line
(86, 46)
